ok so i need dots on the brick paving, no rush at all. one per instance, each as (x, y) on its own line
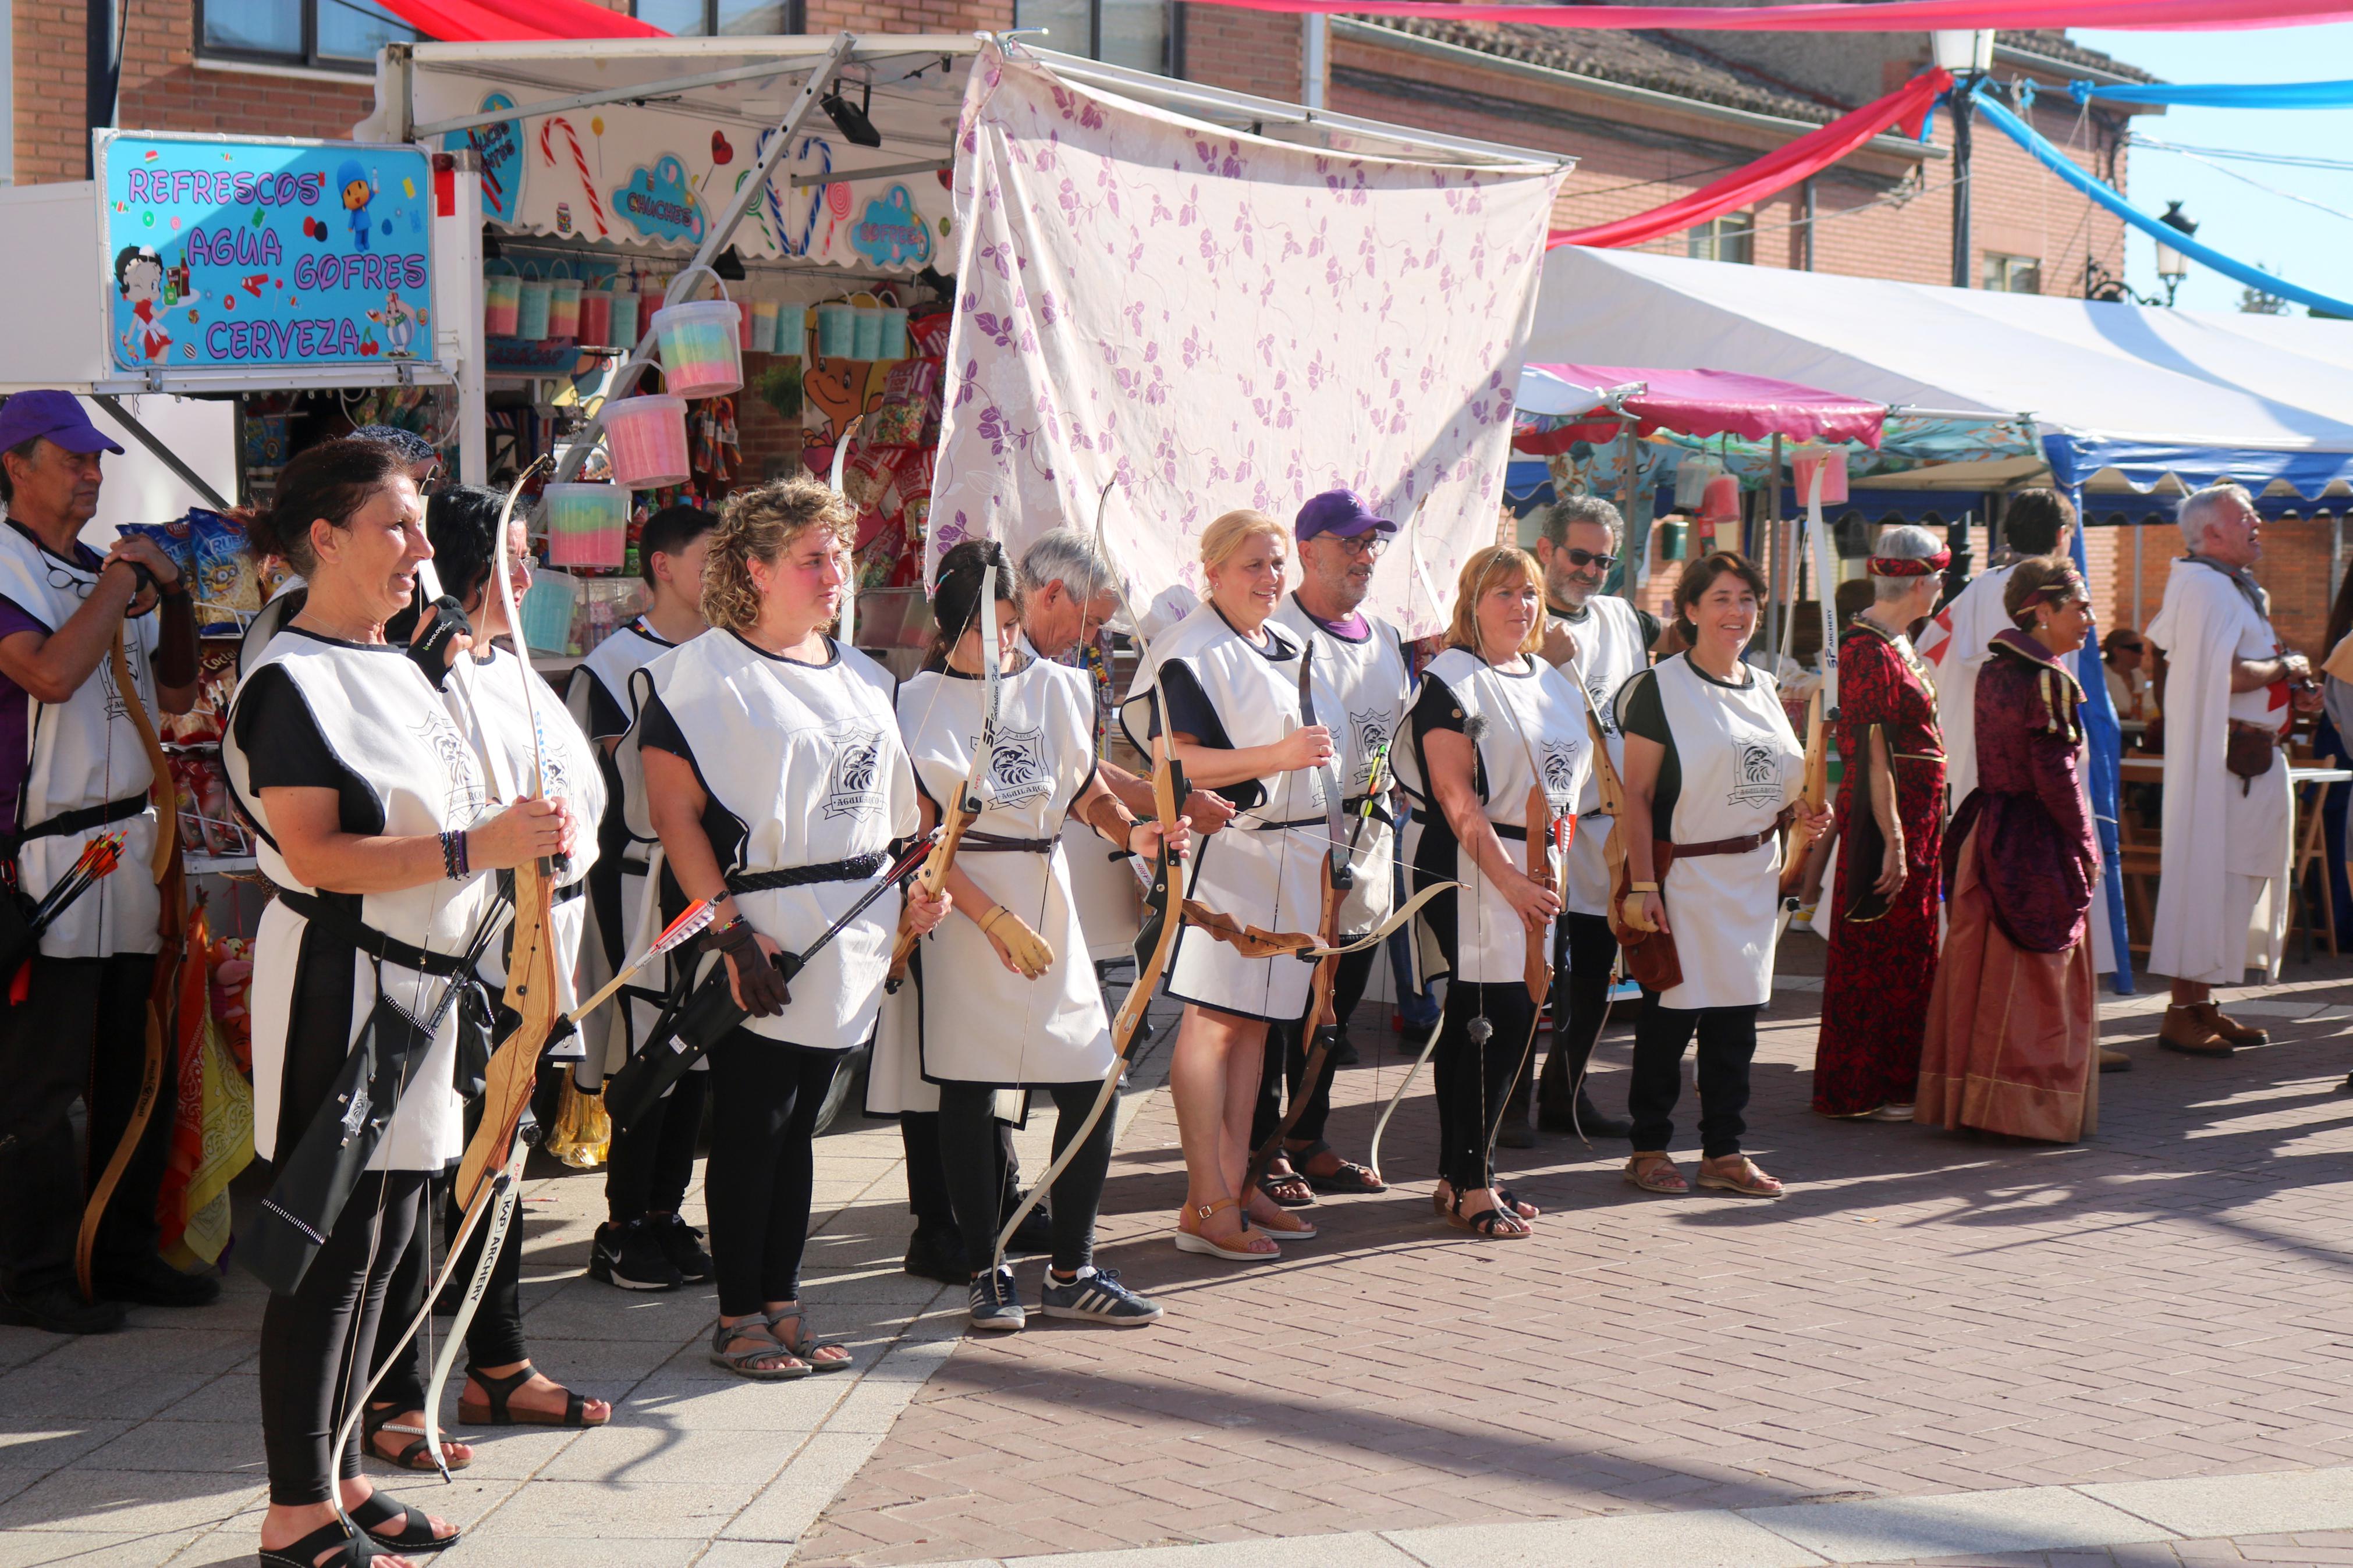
(1924, 1313)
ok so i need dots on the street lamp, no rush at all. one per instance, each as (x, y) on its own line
(2171, 265)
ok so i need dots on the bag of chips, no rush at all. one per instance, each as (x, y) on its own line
(227, 582)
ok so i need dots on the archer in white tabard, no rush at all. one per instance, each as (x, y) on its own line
(1959, 639)
(1009, 998)
(2231, 693)
(378, 833)
(778, 783)
(645, 1243)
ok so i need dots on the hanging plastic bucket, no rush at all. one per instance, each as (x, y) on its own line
(563, 303)
(647, 436)
(1721, 504)
(1832, 461)
(893, 334)
(792, 329)
(532, 304)
(587, 525)
(837, 331)
(548, 611)
(764, 327)
(595, 316)
(747, 327)
(625, 319)
(501, 291)
(867, 319)
(701, 348)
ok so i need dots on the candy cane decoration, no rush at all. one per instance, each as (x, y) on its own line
(579, 161)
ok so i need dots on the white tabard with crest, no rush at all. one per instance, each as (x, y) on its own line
(1609, 652)
(1361, 690)
(1741, 764)
(1534, 715)
(807, 758)
(983, 1023)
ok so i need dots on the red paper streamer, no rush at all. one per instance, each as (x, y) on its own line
(517, 21)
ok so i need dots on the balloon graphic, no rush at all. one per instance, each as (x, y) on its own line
(597, 126)
(408, 187)
(721, 152)
(837, 199)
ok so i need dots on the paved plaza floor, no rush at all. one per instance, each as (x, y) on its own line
(2137, 1350)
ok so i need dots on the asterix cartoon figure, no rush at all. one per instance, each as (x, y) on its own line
(400, 321)
(357, 190)
(139, 278)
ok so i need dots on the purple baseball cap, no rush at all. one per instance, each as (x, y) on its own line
(1341, 512)
(55, 414)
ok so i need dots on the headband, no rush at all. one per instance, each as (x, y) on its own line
(2060, 590)
(1910, 567)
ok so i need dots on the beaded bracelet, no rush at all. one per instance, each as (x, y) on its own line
(454, 858)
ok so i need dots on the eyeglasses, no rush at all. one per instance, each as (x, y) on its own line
(1588, 558)
(1364, 545)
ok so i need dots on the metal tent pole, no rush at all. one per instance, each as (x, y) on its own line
(163, 454)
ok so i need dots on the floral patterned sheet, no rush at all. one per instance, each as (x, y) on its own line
(1218, 321)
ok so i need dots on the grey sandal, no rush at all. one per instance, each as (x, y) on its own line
(744, 1362)
(795, 1345)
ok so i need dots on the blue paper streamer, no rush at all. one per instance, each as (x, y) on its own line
(2223, 95)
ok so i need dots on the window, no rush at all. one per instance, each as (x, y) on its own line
(720, 18)
(1732, 237)
(1136, 34)
(2013, 274)
(340, 35)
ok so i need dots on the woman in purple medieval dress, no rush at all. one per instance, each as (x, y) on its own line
(1890, 808)
(2013, 1028)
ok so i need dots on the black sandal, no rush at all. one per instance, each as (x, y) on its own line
(1490, 1224)
(497, 1391)
(1291, 1190)
(352, 1551)
(382, 1512)
(417, 1456)
(1513, 1199)
(1350, 1177)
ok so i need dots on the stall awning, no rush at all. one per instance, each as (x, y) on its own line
(1700, 402)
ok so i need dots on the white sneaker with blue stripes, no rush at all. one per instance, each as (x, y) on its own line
(1098, 1297)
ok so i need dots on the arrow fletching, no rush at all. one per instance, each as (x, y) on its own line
(696, 918)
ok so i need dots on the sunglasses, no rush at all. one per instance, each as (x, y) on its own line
(1588, 558)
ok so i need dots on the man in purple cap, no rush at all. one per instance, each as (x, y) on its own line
(73, 765)
(1360, 685)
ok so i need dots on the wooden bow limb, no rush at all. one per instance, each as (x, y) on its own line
(1544, 830)
(1321, 1023)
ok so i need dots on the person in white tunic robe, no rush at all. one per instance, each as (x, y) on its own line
(378, 831)
(1009, 997)
(1229, 677)
(645, 1243)
(1959, 639)
(778, 784)
(2232, 694)
(1713, 769)
(1503, 749)
(1362, 685)
(484, 691)
(1601, 641)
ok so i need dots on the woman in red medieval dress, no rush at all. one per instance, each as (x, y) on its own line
(1883, 958)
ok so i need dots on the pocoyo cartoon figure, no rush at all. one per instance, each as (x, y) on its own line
(139, 278)
(357, 190)
(400, 321)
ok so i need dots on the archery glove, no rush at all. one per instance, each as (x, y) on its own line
(431, 648)
(759, 984)
(1031, 953)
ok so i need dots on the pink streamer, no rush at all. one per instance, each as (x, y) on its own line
(1876, 16)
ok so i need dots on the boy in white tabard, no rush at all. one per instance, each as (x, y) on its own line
(644, 1245)
(1602, 641)
(1362, 688)
(74, 763)
(1959, 639)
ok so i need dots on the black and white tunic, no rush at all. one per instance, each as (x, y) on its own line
(1525, 722)
(362, 720)
(1611, 650)
(1265, 868)
(486, 698)
(87, 771)
(804, 768)
(1732, 763)
(1362, 686)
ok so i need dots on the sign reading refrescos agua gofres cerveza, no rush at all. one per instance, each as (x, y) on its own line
(223, 252)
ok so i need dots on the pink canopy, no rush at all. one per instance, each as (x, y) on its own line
(1689, 403)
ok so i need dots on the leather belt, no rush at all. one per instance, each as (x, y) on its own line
(351, 931)
(1740, 846)
(82, 819)
(857, 868)
(988, 843)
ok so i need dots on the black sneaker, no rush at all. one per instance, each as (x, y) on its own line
(150, 1282)
(61, 1310)
(996, 1305)
(682, 1244)
(631, 1255)
(1344, 1049)
(1098, 1297)
(935, 1252)
(1035, 1233)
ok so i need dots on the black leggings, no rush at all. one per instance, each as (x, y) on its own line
(653, 1162)
(1286, 1060)
(755, 1188)
(927, 1172)
(1473, 1079)
(312, 1341)
(968, 1143)
(494, 1337)
(1727, 1040)
(1583, 954)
